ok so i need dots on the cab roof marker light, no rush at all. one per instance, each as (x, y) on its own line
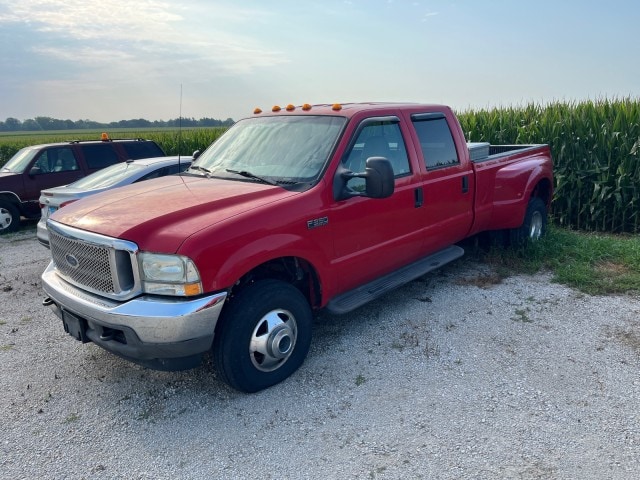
(276, 108)
(336, 107)
(306, 107)
(290, 108)
(257, 111)
(104, 137)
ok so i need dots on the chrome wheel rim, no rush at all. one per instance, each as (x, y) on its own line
(535, 228)
(5, 218)
(273, 340)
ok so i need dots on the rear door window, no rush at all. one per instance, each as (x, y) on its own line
(99, 155)
(137, 150)
(436, 141)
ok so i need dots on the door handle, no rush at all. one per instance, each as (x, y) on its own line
(465, 184)
(419, 197)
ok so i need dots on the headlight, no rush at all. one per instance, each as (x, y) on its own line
(169, 275)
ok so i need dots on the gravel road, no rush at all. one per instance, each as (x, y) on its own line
(441, 379)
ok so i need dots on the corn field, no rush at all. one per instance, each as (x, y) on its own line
(595, 147)
(596, 151)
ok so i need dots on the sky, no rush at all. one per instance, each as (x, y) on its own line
(112, 60)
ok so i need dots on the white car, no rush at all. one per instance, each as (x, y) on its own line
(117, 175)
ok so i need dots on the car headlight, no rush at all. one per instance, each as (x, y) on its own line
(169, 275)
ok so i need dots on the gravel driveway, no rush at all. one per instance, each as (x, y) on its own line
(440, 379)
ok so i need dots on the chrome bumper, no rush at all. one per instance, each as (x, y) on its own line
(153, 327)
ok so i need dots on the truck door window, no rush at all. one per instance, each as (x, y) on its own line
(56, 160)
(379, 139)
(436, 142)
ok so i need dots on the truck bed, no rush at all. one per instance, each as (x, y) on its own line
(481, 152)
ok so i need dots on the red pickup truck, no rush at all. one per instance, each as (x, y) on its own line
(290, 211)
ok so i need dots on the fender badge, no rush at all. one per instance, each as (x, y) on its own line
(317, 222)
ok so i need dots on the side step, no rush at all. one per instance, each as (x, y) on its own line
(359, 296)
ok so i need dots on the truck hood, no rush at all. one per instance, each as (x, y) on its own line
(158, 215)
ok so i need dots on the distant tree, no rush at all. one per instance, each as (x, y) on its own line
(12, 124)
(30, 125)
(48, 123)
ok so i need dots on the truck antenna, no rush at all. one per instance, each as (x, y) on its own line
(180, 128)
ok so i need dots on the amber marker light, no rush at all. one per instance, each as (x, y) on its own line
(290, 108)
(191, 289)
(306, 107)
(276, 108)
(104, 137)
(257, 110)
(336, 107)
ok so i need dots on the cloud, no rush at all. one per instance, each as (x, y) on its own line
(426, 16)
(153, 31)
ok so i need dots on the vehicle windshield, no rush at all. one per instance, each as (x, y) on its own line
(107, 176)
(277, 150)
(20, 160)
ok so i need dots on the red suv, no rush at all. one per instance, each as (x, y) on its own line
(39, 167)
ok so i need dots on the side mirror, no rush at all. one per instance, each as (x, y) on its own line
(35, 171)
(378, 176)
(196, 154)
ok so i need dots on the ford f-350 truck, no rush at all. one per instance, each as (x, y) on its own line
(292, 210)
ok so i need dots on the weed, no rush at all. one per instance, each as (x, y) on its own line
(522, 315)
(595, 264)
(360, 380)
(73, 417)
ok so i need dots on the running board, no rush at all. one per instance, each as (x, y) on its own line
(359, 296)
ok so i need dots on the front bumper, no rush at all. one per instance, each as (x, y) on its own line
(164, 333)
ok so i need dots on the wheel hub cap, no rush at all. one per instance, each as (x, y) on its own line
(273, 340)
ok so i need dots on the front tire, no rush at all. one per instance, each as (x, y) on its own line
(534, 225)
(264, 335)
(9, 217)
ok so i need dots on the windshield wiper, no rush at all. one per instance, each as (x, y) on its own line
(202, 169)
(244, 173)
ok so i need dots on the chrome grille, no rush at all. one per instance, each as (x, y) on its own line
(85, 264)
(96, 263)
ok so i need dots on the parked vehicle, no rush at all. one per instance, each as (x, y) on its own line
(118, 175)
(290, 211)
(38, 167)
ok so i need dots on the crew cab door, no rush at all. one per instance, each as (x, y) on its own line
(449, 181)
(53, 167)
(376, 236)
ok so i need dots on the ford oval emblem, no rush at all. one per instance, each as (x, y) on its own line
(71, 260)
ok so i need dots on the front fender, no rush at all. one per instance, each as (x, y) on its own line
(222, 266)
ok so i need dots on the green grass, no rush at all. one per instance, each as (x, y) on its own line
(596, 264)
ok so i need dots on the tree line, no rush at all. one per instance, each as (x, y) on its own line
(47, 123)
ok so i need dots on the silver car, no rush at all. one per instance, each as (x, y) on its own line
(117, 175)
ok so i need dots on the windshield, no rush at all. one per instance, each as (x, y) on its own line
(20, 160)
(107, 176)
(287, 149)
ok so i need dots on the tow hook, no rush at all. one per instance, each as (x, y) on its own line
(47, 301)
